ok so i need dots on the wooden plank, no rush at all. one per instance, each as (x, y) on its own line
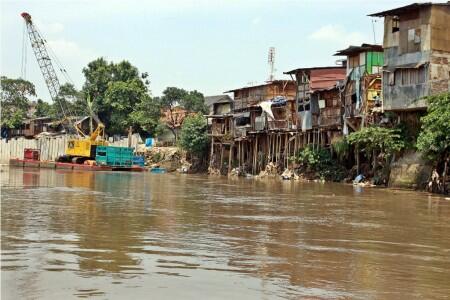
(31, 163)
(48, 164)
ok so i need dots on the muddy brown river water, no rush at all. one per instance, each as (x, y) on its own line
(106, 235)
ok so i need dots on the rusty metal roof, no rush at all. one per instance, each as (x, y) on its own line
(358, 49)
(313, 68)
(260, 85)
(404, 9)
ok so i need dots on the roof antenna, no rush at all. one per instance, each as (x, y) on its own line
(271, 61)
(373, 28)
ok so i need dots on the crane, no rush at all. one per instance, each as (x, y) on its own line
(82, 148)
(44, 61)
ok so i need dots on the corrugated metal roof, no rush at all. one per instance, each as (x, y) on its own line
(323, 77)
(313, 68)
(405, 9)
(358, 49)
(260, 85)
(210, 100)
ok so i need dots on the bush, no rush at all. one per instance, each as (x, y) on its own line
(341, 147)
(434, 140)
(385, 140)
(434, 137)
(319, 162)
(193, 136)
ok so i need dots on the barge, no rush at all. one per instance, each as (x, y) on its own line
(31, 163)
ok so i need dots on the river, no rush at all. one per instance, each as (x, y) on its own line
(110, 235)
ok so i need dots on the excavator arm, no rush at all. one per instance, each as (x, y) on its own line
(99, 131)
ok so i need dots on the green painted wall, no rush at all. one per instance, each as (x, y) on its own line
(374, 59)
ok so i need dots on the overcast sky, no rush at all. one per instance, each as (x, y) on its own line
(211, 46)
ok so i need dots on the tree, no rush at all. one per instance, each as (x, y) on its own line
(72, 100)
(68, 99)
(15, 101)
(194, 101)
(434, 137)
(193, 136)
(173, 116)
(177, 103)
(44, 109)
(118, 90)
(376, 141)
(146, 115)
(123, 98)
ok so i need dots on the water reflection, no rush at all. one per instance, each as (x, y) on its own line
(114, 235)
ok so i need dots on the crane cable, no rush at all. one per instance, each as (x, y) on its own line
(61, 69)
(23, 68)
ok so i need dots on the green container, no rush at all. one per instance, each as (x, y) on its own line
(110, 156)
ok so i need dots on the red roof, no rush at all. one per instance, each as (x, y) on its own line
(325, 78)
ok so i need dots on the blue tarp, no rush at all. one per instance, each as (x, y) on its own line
(149, 142)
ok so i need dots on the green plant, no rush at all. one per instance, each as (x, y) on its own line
(14, 101)
(378, 142)
(434, 137)
(341, 147)
(319, 162)
(157, 157)
(193, 136)
(384, 140)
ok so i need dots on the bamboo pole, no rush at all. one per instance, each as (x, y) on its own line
(285, 149)
(230, 158)
(221, 157)
(357, 159)
(295, 143)
(239, 154)
(212, 152)
(314, 140)
(256, 155)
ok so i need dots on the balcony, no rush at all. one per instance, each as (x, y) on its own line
(278, 124)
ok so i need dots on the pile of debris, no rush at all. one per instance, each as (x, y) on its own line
(271, 170)
(169, 158)
(214, 171)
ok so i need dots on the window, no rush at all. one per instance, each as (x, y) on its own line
(304, 104)
(417, 36)
(389, 77)
(410, 76)
(395, 24)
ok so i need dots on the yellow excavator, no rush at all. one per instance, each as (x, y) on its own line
(83, 147)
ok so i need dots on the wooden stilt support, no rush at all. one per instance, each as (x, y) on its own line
(211, 160)
(221, 157)
(230, 158)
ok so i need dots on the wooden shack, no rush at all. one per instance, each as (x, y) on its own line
(361, 91)
(318, 103)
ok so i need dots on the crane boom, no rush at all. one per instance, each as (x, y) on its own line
(44, 61)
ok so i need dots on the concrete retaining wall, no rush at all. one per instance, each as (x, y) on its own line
(410, 171)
